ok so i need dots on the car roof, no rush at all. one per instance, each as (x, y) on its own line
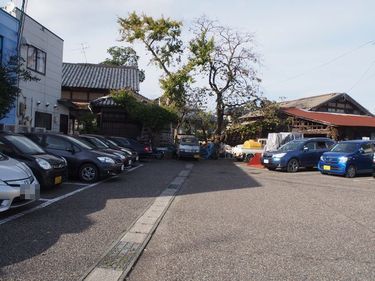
(358, 141)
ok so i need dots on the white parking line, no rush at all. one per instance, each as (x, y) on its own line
(134, 168)
(48, 202)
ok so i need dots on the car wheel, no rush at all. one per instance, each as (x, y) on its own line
(351, 172)
(292, 166)
(88, 173)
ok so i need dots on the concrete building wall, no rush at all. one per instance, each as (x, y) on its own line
(43, 95)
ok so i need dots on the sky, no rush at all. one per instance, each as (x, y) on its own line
(307, 47)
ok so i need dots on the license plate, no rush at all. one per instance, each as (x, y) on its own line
(196, 156)
(266, 161)
(137, 158)
(58, 180)
(326, 168)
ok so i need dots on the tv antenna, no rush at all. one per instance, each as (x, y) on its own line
(84, 47)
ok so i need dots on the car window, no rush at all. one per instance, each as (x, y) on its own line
(311, 145)
(6, 149)
(321, 145)
(53, 142)
(25, 145)
(367, 148)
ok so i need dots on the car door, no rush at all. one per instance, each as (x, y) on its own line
(321, 147)
(365, 158)
(308, 154)
(61, 147)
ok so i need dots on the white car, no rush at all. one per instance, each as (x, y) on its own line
(18, 185)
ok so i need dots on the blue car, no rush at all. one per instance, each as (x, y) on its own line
(297, 153)
(348, 158)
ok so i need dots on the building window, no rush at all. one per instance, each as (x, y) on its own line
(1, 49)
(43, 120)
(36, 59)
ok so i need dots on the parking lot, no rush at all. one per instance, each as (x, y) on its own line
(253, 224)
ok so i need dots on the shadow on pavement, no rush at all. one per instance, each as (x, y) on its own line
(32, 235)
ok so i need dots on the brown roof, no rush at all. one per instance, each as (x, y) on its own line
(309, 103)
(336, 119)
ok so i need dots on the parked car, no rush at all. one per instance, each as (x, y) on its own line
(99, 145)
(297, 153)
(188, 147)
(373, 166)
(348, 158)
(143, 150)
(84, 162)
(18, 185)
(113, 145)
(50, 170)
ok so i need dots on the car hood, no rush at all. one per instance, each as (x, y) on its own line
(52, 159)
(270, 153)
(102, 153)
(11, 169)
(331, 154)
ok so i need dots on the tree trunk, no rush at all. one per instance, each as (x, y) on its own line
(219, 114)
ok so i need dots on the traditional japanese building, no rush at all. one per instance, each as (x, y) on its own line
(336, 115)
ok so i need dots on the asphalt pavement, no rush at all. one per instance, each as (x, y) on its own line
(62, 240)
(233, 222)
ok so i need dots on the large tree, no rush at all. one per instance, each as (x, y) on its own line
(124, 56)
(227, 61)
(162, 39)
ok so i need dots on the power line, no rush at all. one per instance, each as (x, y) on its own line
(326, 63)
(362, 76)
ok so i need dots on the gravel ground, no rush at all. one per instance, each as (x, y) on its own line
(232, 222)
(61, 241)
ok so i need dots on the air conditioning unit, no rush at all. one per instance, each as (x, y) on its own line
(38, 130)
(23, 129)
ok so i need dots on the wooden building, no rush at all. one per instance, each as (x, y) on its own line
(84, 83)
(335, 115)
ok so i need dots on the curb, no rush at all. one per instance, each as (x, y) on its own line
(120, 258)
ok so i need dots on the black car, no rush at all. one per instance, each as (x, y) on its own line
(99, 145)
(84, 162)
(49, 170)
(143, 150)
(111, 144)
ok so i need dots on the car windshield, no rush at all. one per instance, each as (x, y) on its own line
(291, 146)
(95, 142)
(346, 147)
(80, 143)
(189, 141)
(25, 145)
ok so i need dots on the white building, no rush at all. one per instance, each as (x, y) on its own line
(42, 52)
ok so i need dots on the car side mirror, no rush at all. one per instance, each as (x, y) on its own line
(70, 149)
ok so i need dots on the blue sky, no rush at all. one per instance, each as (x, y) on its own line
(307, 47)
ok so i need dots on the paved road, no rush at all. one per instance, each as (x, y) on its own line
(62, 241)
(231, 222)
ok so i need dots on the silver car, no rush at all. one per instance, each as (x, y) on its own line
(18, 185)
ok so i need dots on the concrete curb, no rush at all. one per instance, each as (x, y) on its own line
(122, 255)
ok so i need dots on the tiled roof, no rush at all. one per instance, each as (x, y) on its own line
(309, 103)
(98, 76)
(107, 101)
(335, 119)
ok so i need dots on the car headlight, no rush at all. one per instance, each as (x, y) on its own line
(343, 159)
(122, 157)
(43, 164)
(321, 158)
(279, 155)
(105, 159)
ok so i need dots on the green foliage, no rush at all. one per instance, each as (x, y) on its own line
(88, 124)
(160, 36)
(9, 75)
(150, 115)
(124, 56)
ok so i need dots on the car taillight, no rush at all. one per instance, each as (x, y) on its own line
(148, 149)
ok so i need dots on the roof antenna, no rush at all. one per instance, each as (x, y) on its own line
(84, 46)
